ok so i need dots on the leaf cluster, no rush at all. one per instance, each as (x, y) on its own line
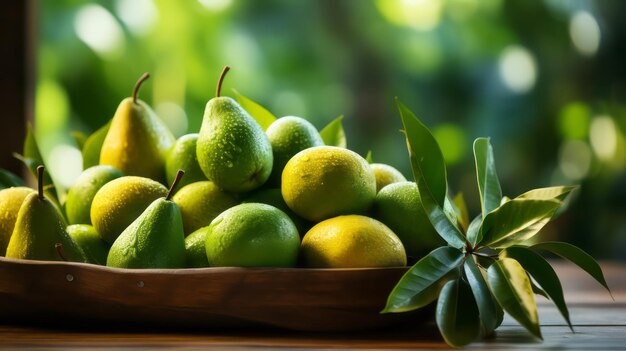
(488, 267)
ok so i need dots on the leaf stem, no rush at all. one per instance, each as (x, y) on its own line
(140, 81)
(179, 175)
(220, 80)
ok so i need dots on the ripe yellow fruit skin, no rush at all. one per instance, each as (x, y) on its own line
(119, 202)
(386, 175)
(326, 181)
(11, 200)
(351, 241)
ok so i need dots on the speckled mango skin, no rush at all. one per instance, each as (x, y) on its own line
(233, 151)
(399, 206)
(11, 200)
(81, 194)
(195, 248)
(327, 181)
(86, 237)
(352, 241)
(252, 235)
(39, 227)
(137, 142)
(119, 202)
(154, 240)
(386, 175)
(288, 136)
(200, 203)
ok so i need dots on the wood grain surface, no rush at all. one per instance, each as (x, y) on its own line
(599, 324)
(206, 298)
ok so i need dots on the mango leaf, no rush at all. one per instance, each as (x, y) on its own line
(504, 200)
(79, 138)
(473, 230)
(31, 157)
(460, 208)
(516, 221)
(576, 256)
(485, 301)
(457, 314)
(510, 285)
(554, 192)
(333, 134)
(9, 180)
(537, 290)
(263, 117)
(488, 183)
(421, 284)
(427, 154)
(368, 157)
(429, 172)
(93, 145)
(543, 273)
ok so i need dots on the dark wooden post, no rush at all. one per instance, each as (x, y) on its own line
(17, 57)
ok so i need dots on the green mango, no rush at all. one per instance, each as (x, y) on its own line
(233, 151)
(183, 156)
(195, 248)
(275, 198)
(86, 237)
(81, 194)
(200, 203)
(288, 136)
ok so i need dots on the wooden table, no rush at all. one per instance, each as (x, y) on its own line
(599, 324)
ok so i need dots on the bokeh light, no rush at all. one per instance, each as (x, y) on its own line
(585, 33)
(518, 69)
(99, 30)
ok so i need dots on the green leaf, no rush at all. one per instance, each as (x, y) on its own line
(488, 183)
(473, 230)
(79, 138)
(555, 192)
(460, 208)
(543, 273)
(510, 285)
(420, 285)
(368, 157)
(485, 301)
(537, 290)
(576, 256)
(9, 180)
(427, 156)
(93, 145)
(333, 134)
(263, 117)
(516, 221)
(429, 172)
(457, 314)
(31, 157)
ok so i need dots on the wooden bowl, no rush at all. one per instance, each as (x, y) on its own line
(295, 298)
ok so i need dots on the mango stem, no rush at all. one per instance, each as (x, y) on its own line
(220, 80)
(179, 175)
(140, 81)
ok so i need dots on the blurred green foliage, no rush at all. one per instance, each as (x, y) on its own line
(544, 79)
